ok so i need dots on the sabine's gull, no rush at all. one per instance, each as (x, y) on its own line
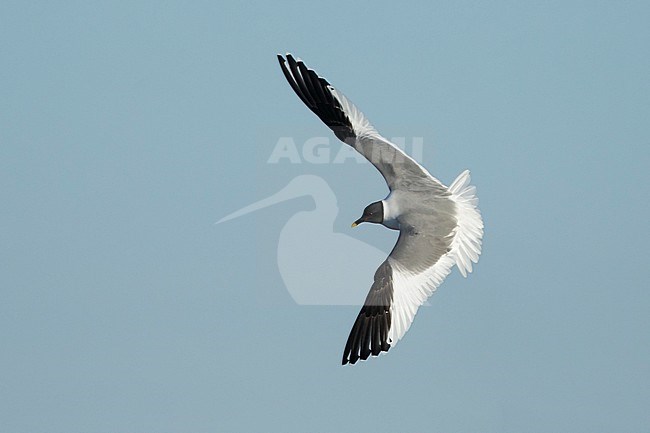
(439, 226)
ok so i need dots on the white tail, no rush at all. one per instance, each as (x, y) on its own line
(466, 245)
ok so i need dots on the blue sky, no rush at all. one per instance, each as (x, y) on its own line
(129, 128)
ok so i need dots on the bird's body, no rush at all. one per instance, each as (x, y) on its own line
(439, 226)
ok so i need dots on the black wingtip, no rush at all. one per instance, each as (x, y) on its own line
(347, 359)
(369, 335)
(315, 92)
(284, 58)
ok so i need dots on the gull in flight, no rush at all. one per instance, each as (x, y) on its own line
(439, 226)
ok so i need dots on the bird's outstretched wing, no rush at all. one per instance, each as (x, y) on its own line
(428, 245)
(351, 126)
(423, 256)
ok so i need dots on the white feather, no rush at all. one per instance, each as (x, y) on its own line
(412, 290)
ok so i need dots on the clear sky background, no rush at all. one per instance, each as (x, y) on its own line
(128, 128)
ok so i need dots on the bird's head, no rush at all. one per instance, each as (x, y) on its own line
(373, 213)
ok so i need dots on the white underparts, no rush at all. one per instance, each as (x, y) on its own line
(391, 212)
